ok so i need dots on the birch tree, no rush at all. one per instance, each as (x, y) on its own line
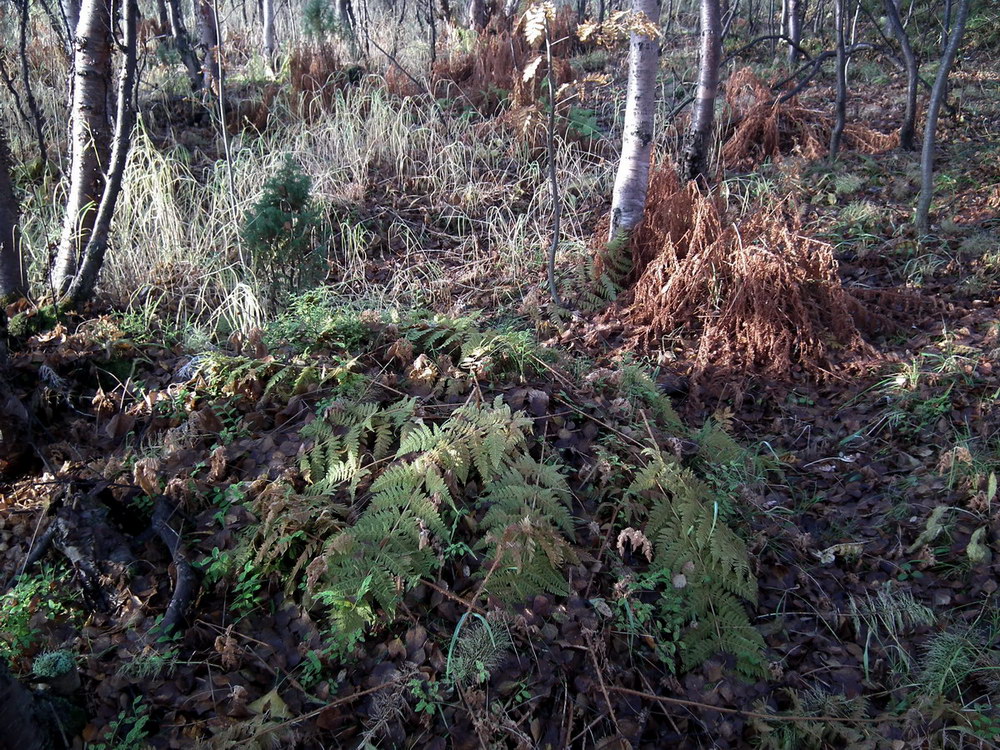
(699, 136)
(270, 38)
(90, 136)
(632, 179)
(99, 151)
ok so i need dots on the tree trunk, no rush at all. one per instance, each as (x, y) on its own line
(12, 279)
(699, 136)
(182, 41)
(938, 94)
(71, 11)
(632, 180)
(83, 285)
(90, 136)
(270, 40)
(37, 119)
(163, 17)
(345, 16)
(907, 130)
(208, 30)
(794, 30)
(477, 14)
(840, 107)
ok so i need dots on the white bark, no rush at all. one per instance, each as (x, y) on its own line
(632, 180)
(270, 40)
(90, 134)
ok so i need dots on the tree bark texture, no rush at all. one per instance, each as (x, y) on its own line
(37, 119)
(90, 133)
(270, 38)
(182, 40)
(632, 179)
(699, 135)
(93, 256)
(794, 31)
(208, 30)
(938, 94)
(477, 14)
(12, 279)
(840, 106)
(908, 128)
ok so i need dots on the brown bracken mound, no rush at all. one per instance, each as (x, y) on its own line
(759, 297)
(764, 127)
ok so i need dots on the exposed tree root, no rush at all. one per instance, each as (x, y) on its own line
(186, 581)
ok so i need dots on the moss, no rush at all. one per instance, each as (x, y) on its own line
(30, 322)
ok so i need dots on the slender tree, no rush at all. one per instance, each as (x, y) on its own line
(208, 30)
(938, 94)
(182, 41)
(90, 131)
(694, 164)
(632, 179)
(908, 128)
(840, 105)
(270, 38)
(83, 284)
(12, 279)
(477, 14)
(37, 119)
(794, 30)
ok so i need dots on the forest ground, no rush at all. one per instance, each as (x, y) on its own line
(860, 492)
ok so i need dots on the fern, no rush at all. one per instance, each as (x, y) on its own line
(693, 542)
(527, 525)
(412, 501)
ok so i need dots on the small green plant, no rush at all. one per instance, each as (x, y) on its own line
(151, 663)
(32, 594)
(475, 650)
(282, 233)
(651, 610)
(128, 731)
(427, 694)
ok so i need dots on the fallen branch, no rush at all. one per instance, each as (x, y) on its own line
(186, 584)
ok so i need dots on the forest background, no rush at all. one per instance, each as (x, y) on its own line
(399, 374)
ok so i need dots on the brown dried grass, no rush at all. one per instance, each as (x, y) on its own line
(758, 298)
(762, 127)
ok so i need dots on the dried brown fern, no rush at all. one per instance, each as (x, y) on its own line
(759, 297)
(762, 126)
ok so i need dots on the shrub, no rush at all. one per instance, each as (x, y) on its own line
(282, 232)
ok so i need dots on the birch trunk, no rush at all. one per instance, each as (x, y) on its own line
(632, 180)
(938, 94)
(12, 279)
(90, 133)
(208, 29)
(794, 30)
(83, 285)
(270, 39)
(699, 135)
(840, 107)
